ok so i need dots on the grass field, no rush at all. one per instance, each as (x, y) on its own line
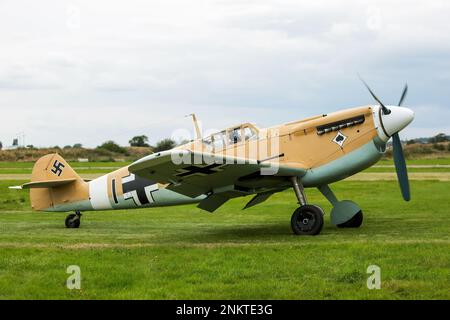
(385, 165)
(185, 253)
(80, 167)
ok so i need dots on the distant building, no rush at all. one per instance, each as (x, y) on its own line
(15, 145)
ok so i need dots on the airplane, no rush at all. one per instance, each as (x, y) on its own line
(239, 161)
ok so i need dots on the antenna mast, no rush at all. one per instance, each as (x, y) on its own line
(198, 134)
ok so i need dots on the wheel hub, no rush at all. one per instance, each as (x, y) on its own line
(306, 221)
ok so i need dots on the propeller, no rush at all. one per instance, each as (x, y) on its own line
(383, 107)
(399, 157)
(405, 91)
(400, 166)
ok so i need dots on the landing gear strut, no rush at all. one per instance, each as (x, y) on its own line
(73, 220)
(307, 219)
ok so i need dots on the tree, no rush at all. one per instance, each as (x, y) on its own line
(139, 141)
(112, 146)
(165, 144)
(441, 137)
(1, 145)
(78, 145)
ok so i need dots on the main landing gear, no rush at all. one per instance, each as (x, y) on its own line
(73, 220)
(306, 219)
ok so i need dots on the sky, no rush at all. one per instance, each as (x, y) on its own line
(90, 71)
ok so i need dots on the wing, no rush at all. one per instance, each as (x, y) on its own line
(194, 173)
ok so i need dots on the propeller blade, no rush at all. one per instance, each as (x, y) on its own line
(385, 110)
(405, 91)
(400, 166)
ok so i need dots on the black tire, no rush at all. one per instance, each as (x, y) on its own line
(354, 222)
(73, 221)
(307, 220)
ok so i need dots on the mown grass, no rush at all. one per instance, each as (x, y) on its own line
(185, 253)
(105, 167)
(422, 161)
(80, 167)
(18, 164)
(410, 169)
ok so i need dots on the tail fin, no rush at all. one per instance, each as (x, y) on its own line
(54, 182)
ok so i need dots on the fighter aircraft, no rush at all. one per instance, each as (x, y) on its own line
(239, 161)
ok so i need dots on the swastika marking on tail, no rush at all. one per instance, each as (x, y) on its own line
(58, 168)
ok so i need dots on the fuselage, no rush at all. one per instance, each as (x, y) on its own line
(328, 147)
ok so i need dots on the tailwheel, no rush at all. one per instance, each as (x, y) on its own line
(73, 220)
(307, 220)
(354, 222)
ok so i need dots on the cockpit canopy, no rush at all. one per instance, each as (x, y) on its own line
(231, 136)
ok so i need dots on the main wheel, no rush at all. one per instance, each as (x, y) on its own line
(354, 222)
(307, 220)
(73, 221)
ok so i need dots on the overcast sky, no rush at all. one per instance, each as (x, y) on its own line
(89, 71)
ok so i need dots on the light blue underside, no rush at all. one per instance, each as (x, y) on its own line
(347, 165)
(162, 197)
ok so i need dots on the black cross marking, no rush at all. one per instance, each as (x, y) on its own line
(138, 185)
(113, 191)
(57, 168)
(203, 170)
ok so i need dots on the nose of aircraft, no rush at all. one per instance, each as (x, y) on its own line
(397, 119)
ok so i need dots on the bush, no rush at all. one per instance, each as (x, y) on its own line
(165, 144)
(112, 146)
(439, 147)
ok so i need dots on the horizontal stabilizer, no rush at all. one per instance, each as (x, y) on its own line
(47, 183)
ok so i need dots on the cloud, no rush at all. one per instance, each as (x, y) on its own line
(79, 71)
